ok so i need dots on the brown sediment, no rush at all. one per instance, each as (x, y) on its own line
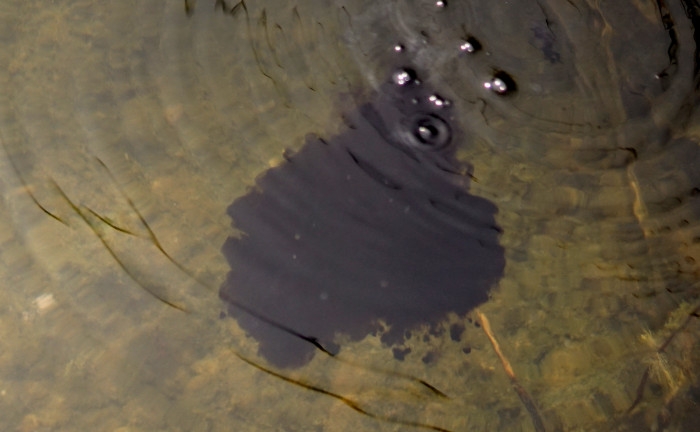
(524, 396)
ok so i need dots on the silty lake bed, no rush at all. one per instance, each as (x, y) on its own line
(128, 130)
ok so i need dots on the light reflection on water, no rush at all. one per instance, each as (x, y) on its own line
(139, 113)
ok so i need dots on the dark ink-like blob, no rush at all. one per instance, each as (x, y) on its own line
(456, 331)
(400, 353)
(372, 226)
(429, 357)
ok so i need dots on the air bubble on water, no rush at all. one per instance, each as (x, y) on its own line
(425, 133)
(496, 85)
(501, 83)
(469, 45)
(438, 101)
(441, 4)
(399, 48)
(404, 76)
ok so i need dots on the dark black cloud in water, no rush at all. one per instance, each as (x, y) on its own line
(373, 225)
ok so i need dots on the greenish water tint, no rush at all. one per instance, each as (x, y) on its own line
(128, 128)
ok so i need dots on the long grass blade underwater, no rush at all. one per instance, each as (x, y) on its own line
(112, 235)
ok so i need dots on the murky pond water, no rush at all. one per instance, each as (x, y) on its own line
(128, 129)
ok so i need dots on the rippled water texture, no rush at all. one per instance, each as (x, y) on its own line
(129, 128)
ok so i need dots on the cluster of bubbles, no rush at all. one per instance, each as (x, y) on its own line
(427, 131)
(430, 131)
(500, 81)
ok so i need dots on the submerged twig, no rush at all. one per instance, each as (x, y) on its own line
(524, 396)
(355, 405)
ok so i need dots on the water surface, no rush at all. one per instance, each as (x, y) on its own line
(128, 129)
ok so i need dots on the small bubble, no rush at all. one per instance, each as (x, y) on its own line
(425, 133)
(441, 4)
(438, 101)
(469, 45)
(399, 48)
(429, 132)
(496, 85)
(404, 76)
(466, 46)
(501, 83)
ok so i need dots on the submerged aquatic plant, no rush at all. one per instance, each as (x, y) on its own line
(672, 372)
